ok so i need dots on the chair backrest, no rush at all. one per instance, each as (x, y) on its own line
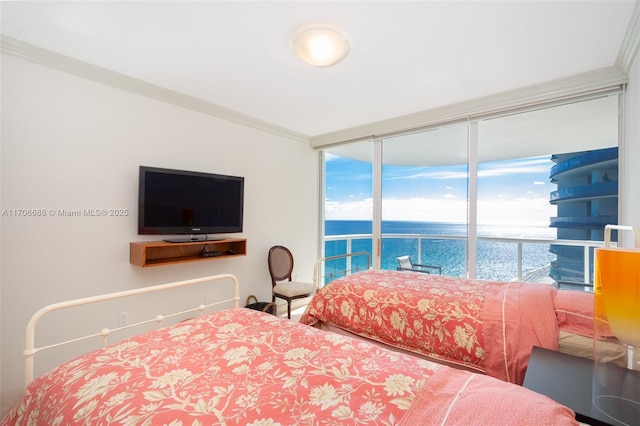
(280, 262)
(405, 262)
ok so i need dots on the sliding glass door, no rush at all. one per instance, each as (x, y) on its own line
(519, 196)
(425, 199)
(546, 175)
(348, 206)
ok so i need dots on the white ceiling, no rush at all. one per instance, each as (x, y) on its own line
(405, 56)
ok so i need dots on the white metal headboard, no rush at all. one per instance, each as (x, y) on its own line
(30, 350)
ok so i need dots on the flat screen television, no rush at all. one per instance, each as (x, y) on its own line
(179, 202)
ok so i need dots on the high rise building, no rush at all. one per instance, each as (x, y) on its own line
(586, 200)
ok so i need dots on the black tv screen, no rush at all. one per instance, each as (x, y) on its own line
(178, 202)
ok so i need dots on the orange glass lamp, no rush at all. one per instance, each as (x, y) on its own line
(616, 388)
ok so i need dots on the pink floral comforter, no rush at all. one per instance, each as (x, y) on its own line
(487, 326)
(244, 367)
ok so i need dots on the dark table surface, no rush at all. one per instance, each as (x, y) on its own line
(569, 380)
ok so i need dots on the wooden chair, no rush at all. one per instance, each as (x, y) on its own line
(280, 262)
(406, 265)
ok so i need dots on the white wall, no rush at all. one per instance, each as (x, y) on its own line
(630, 152)
(70, 143)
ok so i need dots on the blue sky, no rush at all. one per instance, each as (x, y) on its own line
(509, 192)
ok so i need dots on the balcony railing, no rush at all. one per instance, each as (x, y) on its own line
(594, 190)
(360, 242)
(583, 160)
(582, 221)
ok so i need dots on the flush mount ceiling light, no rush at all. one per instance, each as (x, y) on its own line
(320, 47)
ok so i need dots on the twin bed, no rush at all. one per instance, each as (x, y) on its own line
(240, 366)
(484, 326)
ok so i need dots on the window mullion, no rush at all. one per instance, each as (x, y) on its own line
(472, 162)
(376, 246)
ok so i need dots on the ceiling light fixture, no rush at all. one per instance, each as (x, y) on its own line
(320, 47)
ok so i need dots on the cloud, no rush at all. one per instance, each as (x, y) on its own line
(538, 165)
(518, 211)
(432, 174)
(512, 170)
(354, 210)
(330, 157)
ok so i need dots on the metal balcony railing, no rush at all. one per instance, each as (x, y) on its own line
(583, 160)
(363, 242)
(582, 222)
(594, 190)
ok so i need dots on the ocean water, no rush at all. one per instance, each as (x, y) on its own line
(496, 260)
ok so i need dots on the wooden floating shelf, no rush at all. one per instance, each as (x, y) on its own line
(156, 253)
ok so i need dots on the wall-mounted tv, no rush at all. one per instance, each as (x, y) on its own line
(179, 202)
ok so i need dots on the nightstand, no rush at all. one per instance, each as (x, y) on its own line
(569, 380)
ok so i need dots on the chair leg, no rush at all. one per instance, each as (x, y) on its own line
(289, 309)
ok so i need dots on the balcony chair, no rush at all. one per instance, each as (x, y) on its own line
(280, 262)
(405, 264)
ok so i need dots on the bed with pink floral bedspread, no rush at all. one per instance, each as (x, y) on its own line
(486, 326)
(244, 367)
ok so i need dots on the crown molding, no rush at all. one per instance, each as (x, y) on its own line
(631, 44)
(41, 56)
(580, 84)
(589, 83)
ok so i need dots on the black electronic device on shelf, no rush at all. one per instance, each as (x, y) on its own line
(193, 204)
(210, 253)
(206, 253)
